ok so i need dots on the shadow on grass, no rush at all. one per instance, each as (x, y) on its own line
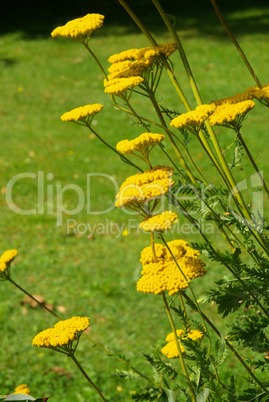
(37, 19)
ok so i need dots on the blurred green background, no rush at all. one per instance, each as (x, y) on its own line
(95, 274)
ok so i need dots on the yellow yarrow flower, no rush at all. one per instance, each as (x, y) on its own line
(6, 259)
(163, 274)
(193, 119)
(63, 333)
(148, 52)
(79, 29)
(159, 223)
(145, 187)
(228, 112)
(143, 144)
(117, 86)
(22, 389)
(170, 349)
(82, 113)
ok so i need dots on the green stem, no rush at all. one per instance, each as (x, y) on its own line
(232, 349)
(43, 305)
(252, 160)
(113, 149)
(190, 287)
(183, 366)
(96, 59)
(154, 43)
(87, 377)
(238, 47)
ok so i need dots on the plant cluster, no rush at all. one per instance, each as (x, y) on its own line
(188, 366)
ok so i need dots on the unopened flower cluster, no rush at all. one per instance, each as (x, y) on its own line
(170, 349)
(82, 113)
(142, 144)
(127, 67)
(79, 29)
(145, 187)
(6, 259)
(160, 273)
(63, 333)
(159, 223)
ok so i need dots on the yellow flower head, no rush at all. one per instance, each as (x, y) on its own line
(159, 223)
(63, 333)
(170, 349)
(22, 389)
(228, 112)
(145, 187)
(260, 93)
(147, 52)
(162, 274)
(80, 29)
(142, 144)
(6, 259)
(117, 86)
(82, 113)
(193, 119)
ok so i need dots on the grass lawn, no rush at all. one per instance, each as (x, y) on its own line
(84, 266)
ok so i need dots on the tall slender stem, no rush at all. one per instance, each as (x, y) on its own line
(234, 41)
(96, 59)
(43, 305)
(87, 377)
(183, 366)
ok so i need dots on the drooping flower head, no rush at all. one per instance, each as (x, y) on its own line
(194, 119)
(80, 29)
(83, 113)
(230, 114)
(63, 334)
(160, 272)
(22, 389)
(142, 144)
(170, 349)
(159, 223)
(145, 187)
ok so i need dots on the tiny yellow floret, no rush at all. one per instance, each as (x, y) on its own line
(170, 349)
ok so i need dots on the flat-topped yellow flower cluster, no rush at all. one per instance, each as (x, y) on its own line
(82, 113)
(142, 144)
(79, 29)
(6, 259)
(170, 349)
(159, 223)
(127, 67)
(22, 389)
(160, 273)
(227, 113)
(193, 119)
(145, 187)
(63, 333)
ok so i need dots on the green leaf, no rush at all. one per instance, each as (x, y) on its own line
(202, 396)
(167, 395)
(19, 397)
